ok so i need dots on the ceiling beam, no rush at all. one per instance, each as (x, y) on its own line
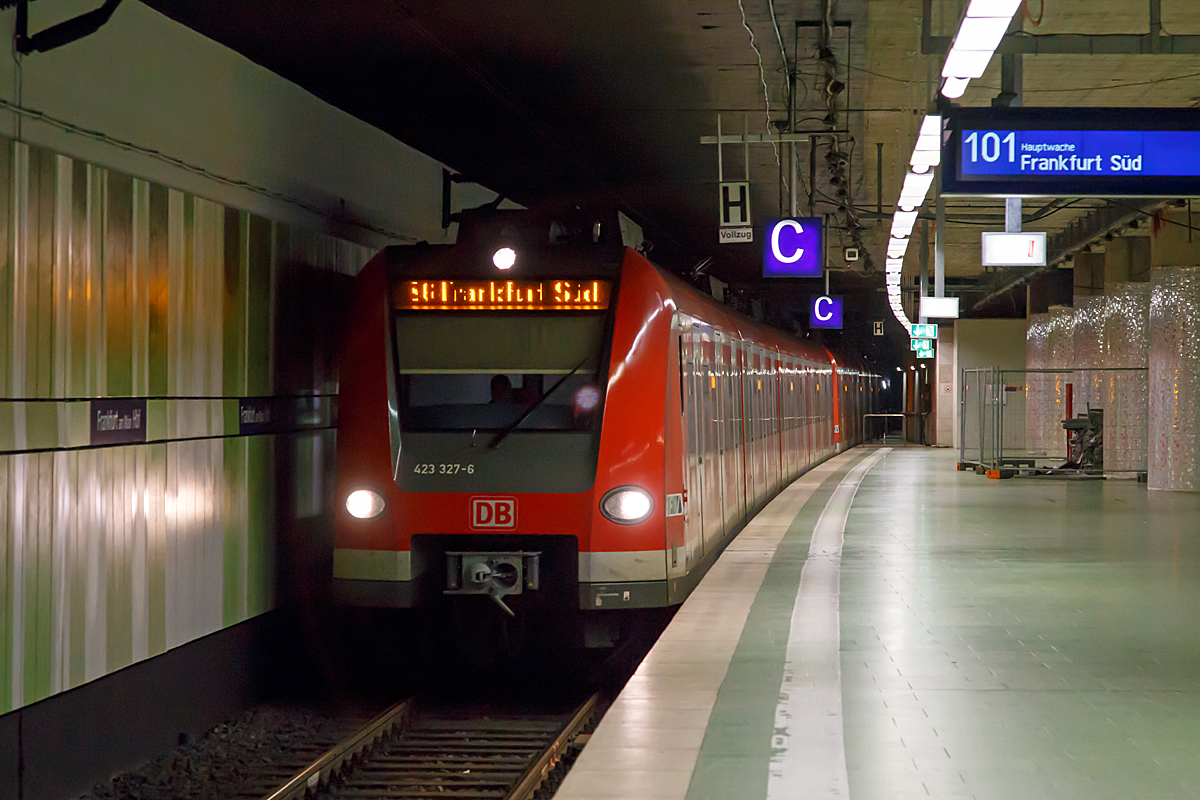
(1085, 44)
(1060, 246)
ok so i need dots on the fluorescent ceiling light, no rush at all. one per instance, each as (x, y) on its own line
(895, 264)
(922, 160)
(916, 185)
(966, 63)
(893, 279)
(902, 223)
(897, 248)
(932, 125)
(993, 8)
(981, 33)
(927, 142)
(954, 87)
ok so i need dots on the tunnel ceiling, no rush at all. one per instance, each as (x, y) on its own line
(550, 101)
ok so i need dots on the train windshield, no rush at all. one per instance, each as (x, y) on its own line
(490, 372)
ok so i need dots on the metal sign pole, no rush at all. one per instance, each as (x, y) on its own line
(939, 248)
(962, 416)
(825, 251)
(720, 147)
(924, 267)
(746, 143)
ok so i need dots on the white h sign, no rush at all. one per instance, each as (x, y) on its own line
(735, 204)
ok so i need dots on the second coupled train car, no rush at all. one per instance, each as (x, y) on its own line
(540, 416)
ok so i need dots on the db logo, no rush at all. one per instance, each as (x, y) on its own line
(491, 513)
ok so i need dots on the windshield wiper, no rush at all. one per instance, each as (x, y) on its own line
(499, 437)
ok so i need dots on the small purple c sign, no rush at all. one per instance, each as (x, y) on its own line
(825, 312)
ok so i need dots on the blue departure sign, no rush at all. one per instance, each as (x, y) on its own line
(1085, 153)
(1072, 152)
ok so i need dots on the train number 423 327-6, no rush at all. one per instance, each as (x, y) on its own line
(444, 469)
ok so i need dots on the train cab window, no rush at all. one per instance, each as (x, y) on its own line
(475, 372)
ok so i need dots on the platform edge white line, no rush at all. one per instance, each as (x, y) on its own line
(808, 746)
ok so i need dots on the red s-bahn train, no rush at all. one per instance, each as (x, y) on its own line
(539, 415)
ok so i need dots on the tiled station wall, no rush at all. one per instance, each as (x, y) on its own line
(111, 286)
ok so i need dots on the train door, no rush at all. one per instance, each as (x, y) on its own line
(710, 458)
(679, 552)
(774, 418)
(791, 451)
(826, 392)
(776, 421)
(760, 428)
(754, 445)
(693, 501)
(770, 446)
(812, 391)
(737, 354)
(729, 451)
(806, 444)
(781, 418)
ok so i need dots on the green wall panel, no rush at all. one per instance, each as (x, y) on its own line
(113, 286)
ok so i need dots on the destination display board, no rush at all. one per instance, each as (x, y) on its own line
(1072, 152)
(548, 295)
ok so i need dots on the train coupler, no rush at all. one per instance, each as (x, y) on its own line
(497, 575)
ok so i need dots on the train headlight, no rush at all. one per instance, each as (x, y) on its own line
(504, 258)
(587, 398)
(626, 505)
(364, 504)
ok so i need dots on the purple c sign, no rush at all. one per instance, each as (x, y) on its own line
(825, 312)
(792, 248)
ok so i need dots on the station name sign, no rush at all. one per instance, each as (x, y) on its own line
(1072, 152)
(117, 420)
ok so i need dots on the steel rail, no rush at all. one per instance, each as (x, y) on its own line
(539, 770)
(319, 771)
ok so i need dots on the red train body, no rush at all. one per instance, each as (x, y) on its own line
(649, 424)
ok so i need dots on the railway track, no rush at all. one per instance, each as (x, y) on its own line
(414, 751)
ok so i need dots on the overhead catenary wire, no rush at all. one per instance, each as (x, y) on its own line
(762, 75)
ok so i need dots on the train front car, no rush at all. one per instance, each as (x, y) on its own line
(475, 380)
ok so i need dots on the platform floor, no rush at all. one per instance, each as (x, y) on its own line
(1026, 638)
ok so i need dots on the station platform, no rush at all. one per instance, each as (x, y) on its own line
(889, 627)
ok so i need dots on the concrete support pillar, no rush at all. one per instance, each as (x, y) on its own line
(1174, 245)
(1089, 274)
(1038, 385)
(1088, 333)
(1174, 380)
(1126, 345)
(945, 389)
(1127, 259)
